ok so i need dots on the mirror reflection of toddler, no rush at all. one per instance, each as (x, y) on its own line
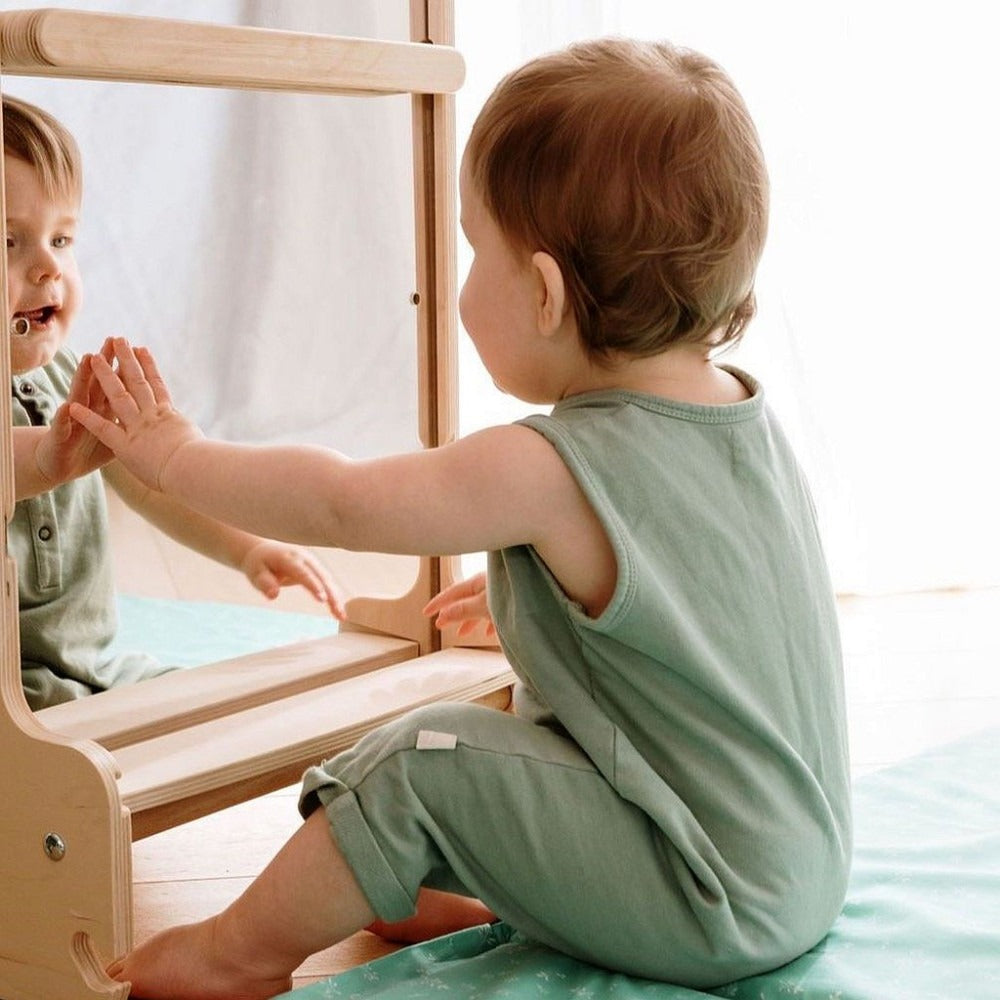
(58, 535)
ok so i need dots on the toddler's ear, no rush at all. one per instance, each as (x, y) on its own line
(552, 304)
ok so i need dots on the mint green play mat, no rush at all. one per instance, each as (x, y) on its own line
(921, 921)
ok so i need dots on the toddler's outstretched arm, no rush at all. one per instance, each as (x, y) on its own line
(499, 487)
(451, 499)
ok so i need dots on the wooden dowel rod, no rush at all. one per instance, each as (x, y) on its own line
(93, 46)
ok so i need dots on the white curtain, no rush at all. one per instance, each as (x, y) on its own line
(262, 245)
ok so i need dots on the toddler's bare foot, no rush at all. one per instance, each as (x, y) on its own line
(437, 913)
(185, 963)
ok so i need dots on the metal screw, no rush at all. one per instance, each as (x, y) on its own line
(415, 299)
(55, 848)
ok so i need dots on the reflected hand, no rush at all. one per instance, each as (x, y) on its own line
(465, 603)
(271, 565)
(68, 449)
(146, 431)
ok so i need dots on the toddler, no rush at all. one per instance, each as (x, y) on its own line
(58, 535)
(670, 798)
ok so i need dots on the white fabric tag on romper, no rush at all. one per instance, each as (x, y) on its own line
(428, 739)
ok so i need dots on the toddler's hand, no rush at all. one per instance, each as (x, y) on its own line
(68, 449)
(146, 431)
(271, 565)
(463, 602)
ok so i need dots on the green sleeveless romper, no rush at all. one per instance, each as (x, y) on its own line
(671, 799)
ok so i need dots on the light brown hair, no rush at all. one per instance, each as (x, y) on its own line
(33, 135)
(637, 167)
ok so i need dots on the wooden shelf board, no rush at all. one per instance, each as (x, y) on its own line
(268, 746)
(183, 698)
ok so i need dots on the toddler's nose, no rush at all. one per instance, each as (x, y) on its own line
(44, 267)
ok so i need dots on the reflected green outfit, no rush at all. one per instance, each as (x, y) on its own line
(671, 799)
(66, 594)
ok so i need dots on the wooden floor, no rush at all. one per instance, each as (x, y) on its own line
(921, 670)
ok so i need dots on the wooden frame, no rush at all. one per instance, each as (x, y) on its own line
(82, 780)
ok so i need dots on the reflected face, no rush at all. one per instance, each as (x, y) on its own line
(43, 281)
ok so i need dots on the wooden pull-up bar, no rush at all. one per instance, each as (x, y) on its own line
(91, 46)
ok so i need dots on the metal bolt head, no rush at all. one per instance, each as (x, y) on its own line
(55, 848)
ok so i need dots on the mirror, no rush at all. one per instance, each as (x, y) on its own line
(262, 245)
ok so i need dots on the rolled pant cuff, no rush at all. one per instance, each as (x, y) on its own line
(383, 890)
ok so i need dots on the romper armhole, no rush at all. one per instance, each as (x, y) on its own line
(579, 467)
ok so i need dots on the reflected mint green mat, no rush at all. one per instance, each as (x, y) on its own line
(189, 633)
(921, 922)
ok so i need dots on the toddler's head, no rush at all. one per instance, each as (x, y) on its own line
(636, 166)
(46, 145)
(43, 179)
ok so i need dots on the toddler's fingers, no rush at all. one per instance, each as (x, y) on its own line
(308, 573)
(267, 583)
(463, 589)
(336, 606)
(96, 399)
(122, 404)
(79, 391)
(62, 423)
(133, 374)
(471, 625)
(470, 607)
(318, 570)
(329, 594)
(297, 567)
(160, 391)
(91, 394)
(311, 580)
(108, 433)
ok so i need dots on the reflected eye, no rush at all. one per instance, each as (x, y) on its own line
(62, 242)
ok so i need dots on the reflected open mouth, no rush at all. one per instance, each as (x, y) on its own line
(41, 316)
(23, 322)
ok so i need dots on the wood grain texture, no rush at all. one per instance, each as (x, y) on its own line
(94, 46)
(184, 698)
